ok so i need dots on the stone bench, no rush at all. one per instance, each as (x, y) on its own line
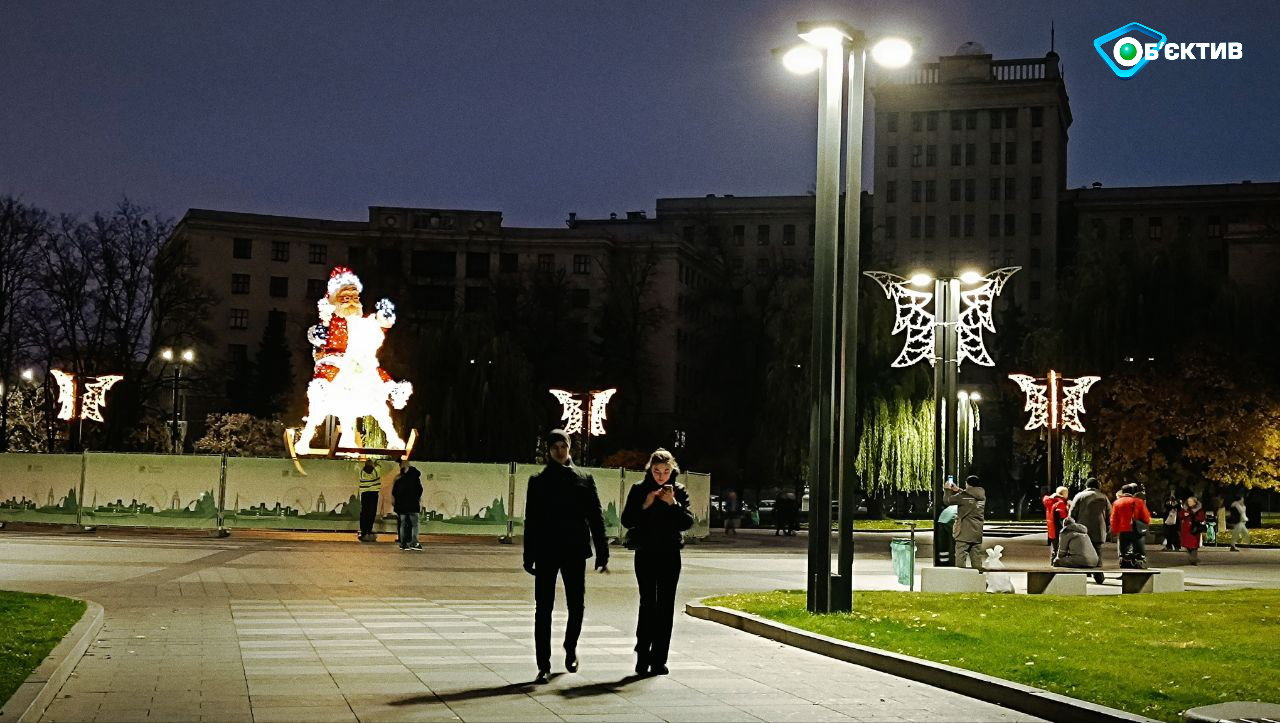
(1074, 580)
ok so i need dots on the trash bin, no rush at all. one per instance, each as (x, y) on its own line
(903, 553)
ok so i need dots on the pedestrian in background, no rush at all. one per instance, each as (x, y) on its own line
(1091, 508)
(1237, 519)
(562, 522)
(406, 492)
(1074, 547)
(1130, 520)
(1171, 536)
(732, 513)
(369, 486)
(1190, 526)
(971, 508)
(656, 514)
(1055, 511)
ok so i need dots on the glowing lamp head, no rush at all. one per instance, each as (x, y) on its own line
(825, 36)
(975, 397)
(921, 279)
(964, 396)
(891, 52)
(188, 355)
(971, 277)
(802, 59)
(166, 354)
(28, 375)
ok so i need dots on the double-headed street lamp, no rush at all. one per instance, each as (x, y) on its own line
(839, 54)
(177, 359)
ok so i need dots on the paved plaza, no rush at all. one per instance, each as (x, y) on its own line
(317, 627)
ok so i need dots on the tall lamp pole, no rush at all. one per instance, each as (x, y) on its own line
(838, 52)
(187, 356)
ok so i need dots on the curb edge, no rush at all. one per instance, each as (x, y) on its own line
(35, 693)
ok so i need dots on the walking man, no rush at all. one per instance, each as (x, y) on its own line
(1091, 508)
(407, 493)
(971, 511)
(562, 521)
(1238, 518)
(370, 485)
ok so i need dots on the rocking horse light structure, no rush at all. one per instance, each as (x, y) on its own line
(348, 383)
(1054, 405)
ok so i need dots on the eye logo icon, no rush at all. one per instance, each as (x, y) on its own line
(1125, 48)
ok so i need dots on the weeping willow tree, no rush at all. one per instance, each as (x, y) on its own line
(1077, 460)
(895, 449)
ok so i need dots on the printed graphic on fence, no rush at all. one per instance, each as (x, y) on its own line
(151, 490)
(39, 487)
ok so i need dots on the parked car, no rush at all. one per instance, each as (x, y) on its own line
(750, 515)
(859, 509)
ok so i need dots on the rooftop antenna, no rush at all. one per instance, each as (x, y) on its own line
(1051, 36)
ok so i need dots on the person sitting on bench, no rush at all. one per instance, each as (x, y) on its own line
(1074, 547)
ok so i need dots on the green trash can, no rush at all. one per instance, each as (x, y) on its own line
(903, 553)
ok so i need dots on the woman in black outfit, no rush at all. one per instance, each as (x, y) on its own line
(656, 512)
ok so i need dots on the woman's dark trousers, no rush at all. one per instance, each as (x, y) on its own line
(657, 573)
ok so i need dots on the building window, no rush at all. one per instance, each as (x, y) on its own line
(915, 191)
(996, 117)
(582, 264)
(1011, 118)
(917, 155)
(917, 121)
(891, 156)
(891, 192)
(546, 262)
(279, 250)
(993, 225)
(739, 235)
(390, 260)
(475, 298)
(970, 154)
(931, 155)
(436, 264)
(580, 298)
(931, 120)
(890, 228)
(238, 353)
(437, 298)
(970, 190)
(1215, 227)
(477, 265)
(1036, 222)
(930, 191)
(279, 286)
(239, 283)
(953, 226)
(1035, 254)
(1010, 153)
(957, 154)
(891, 120)
(968, 225)
(239, 319)
(242, 248)
(957, 120)
(995, 189)
(316, 288)
(1010, 188)
(971, 120)
(508, 263)
(762, 235)
(1035, 187)
(1126, 227)
(930, 227)
(762, 264)
(789, 234)
(317, 254)
(955, 189)
(915, 227)
(1155, 228)
(995, 154)
(1037, 117)
(1037, 152)
(1010, 228)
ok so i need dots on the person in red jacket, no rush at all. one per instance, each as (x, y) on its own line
(1190, 527)
(1055, 511)
(1129, 520)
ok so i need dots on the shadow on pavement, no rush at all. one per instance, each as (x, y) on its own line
(581, 691)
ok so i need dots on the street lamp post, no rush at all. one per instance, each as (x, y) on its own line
(838, 52)
(187, 356)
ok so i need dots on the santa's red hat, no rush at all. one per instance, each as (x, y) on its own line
(340, 277)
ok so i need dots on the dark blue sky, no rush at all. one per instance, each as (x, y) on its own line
(541, 108)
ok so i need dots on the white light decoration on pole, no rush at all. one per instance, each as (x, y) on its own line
(66, 393)
(598, 402)
(573, 415)
(1054, 406)
(95, 396)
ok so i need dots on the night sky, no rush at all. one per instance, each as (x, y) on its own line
(537, 109)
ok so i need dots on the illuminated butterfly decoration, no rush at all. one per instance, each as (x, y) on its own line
(912, 314)
(94, 399)
(1053, 403)
(573, 414)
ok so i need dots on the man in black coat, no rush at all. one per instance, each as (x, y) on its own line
(562, 520)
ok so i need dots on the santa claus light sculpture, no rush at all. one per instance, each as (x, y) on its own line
(348, 383)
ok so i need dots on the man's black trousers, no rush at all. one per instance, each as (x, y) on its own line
(657, 574)
(573, 572)
(368, 511)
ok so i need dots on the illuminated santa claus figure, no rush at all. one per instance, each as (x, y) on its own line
(348, 383)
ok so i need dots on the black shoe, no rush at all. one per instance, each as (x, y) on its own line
(544, 677)
(658, 669)
(571, 661)
(642, 667)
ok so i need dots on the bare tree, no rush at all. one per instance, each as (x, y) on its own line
(22, 231)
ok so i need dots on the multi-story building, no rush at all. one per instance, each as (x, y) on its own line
(970, 162)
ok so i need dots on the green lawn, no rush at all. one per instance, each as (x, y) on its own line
(1156, 655)
(33, 625)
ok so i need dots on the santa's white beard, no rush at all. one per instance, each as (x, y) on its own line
(348, 311)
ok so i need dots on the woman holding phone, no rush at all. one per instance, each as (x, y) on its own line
(656, 512)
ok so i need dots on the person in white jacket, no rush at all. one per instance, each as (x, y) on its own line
(1237, 517)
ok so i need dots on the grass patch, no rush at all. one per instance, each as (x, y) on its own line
(890, 525)
(1155, 655)
(33, 625)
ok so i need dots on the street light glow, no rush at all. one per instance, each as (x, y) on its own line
(188, 356)
(964, 396)
(28, 375)
(824, 36)
(892, 52)
(971, 277)
(802, 59)
(921, 279)
(166, 354)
